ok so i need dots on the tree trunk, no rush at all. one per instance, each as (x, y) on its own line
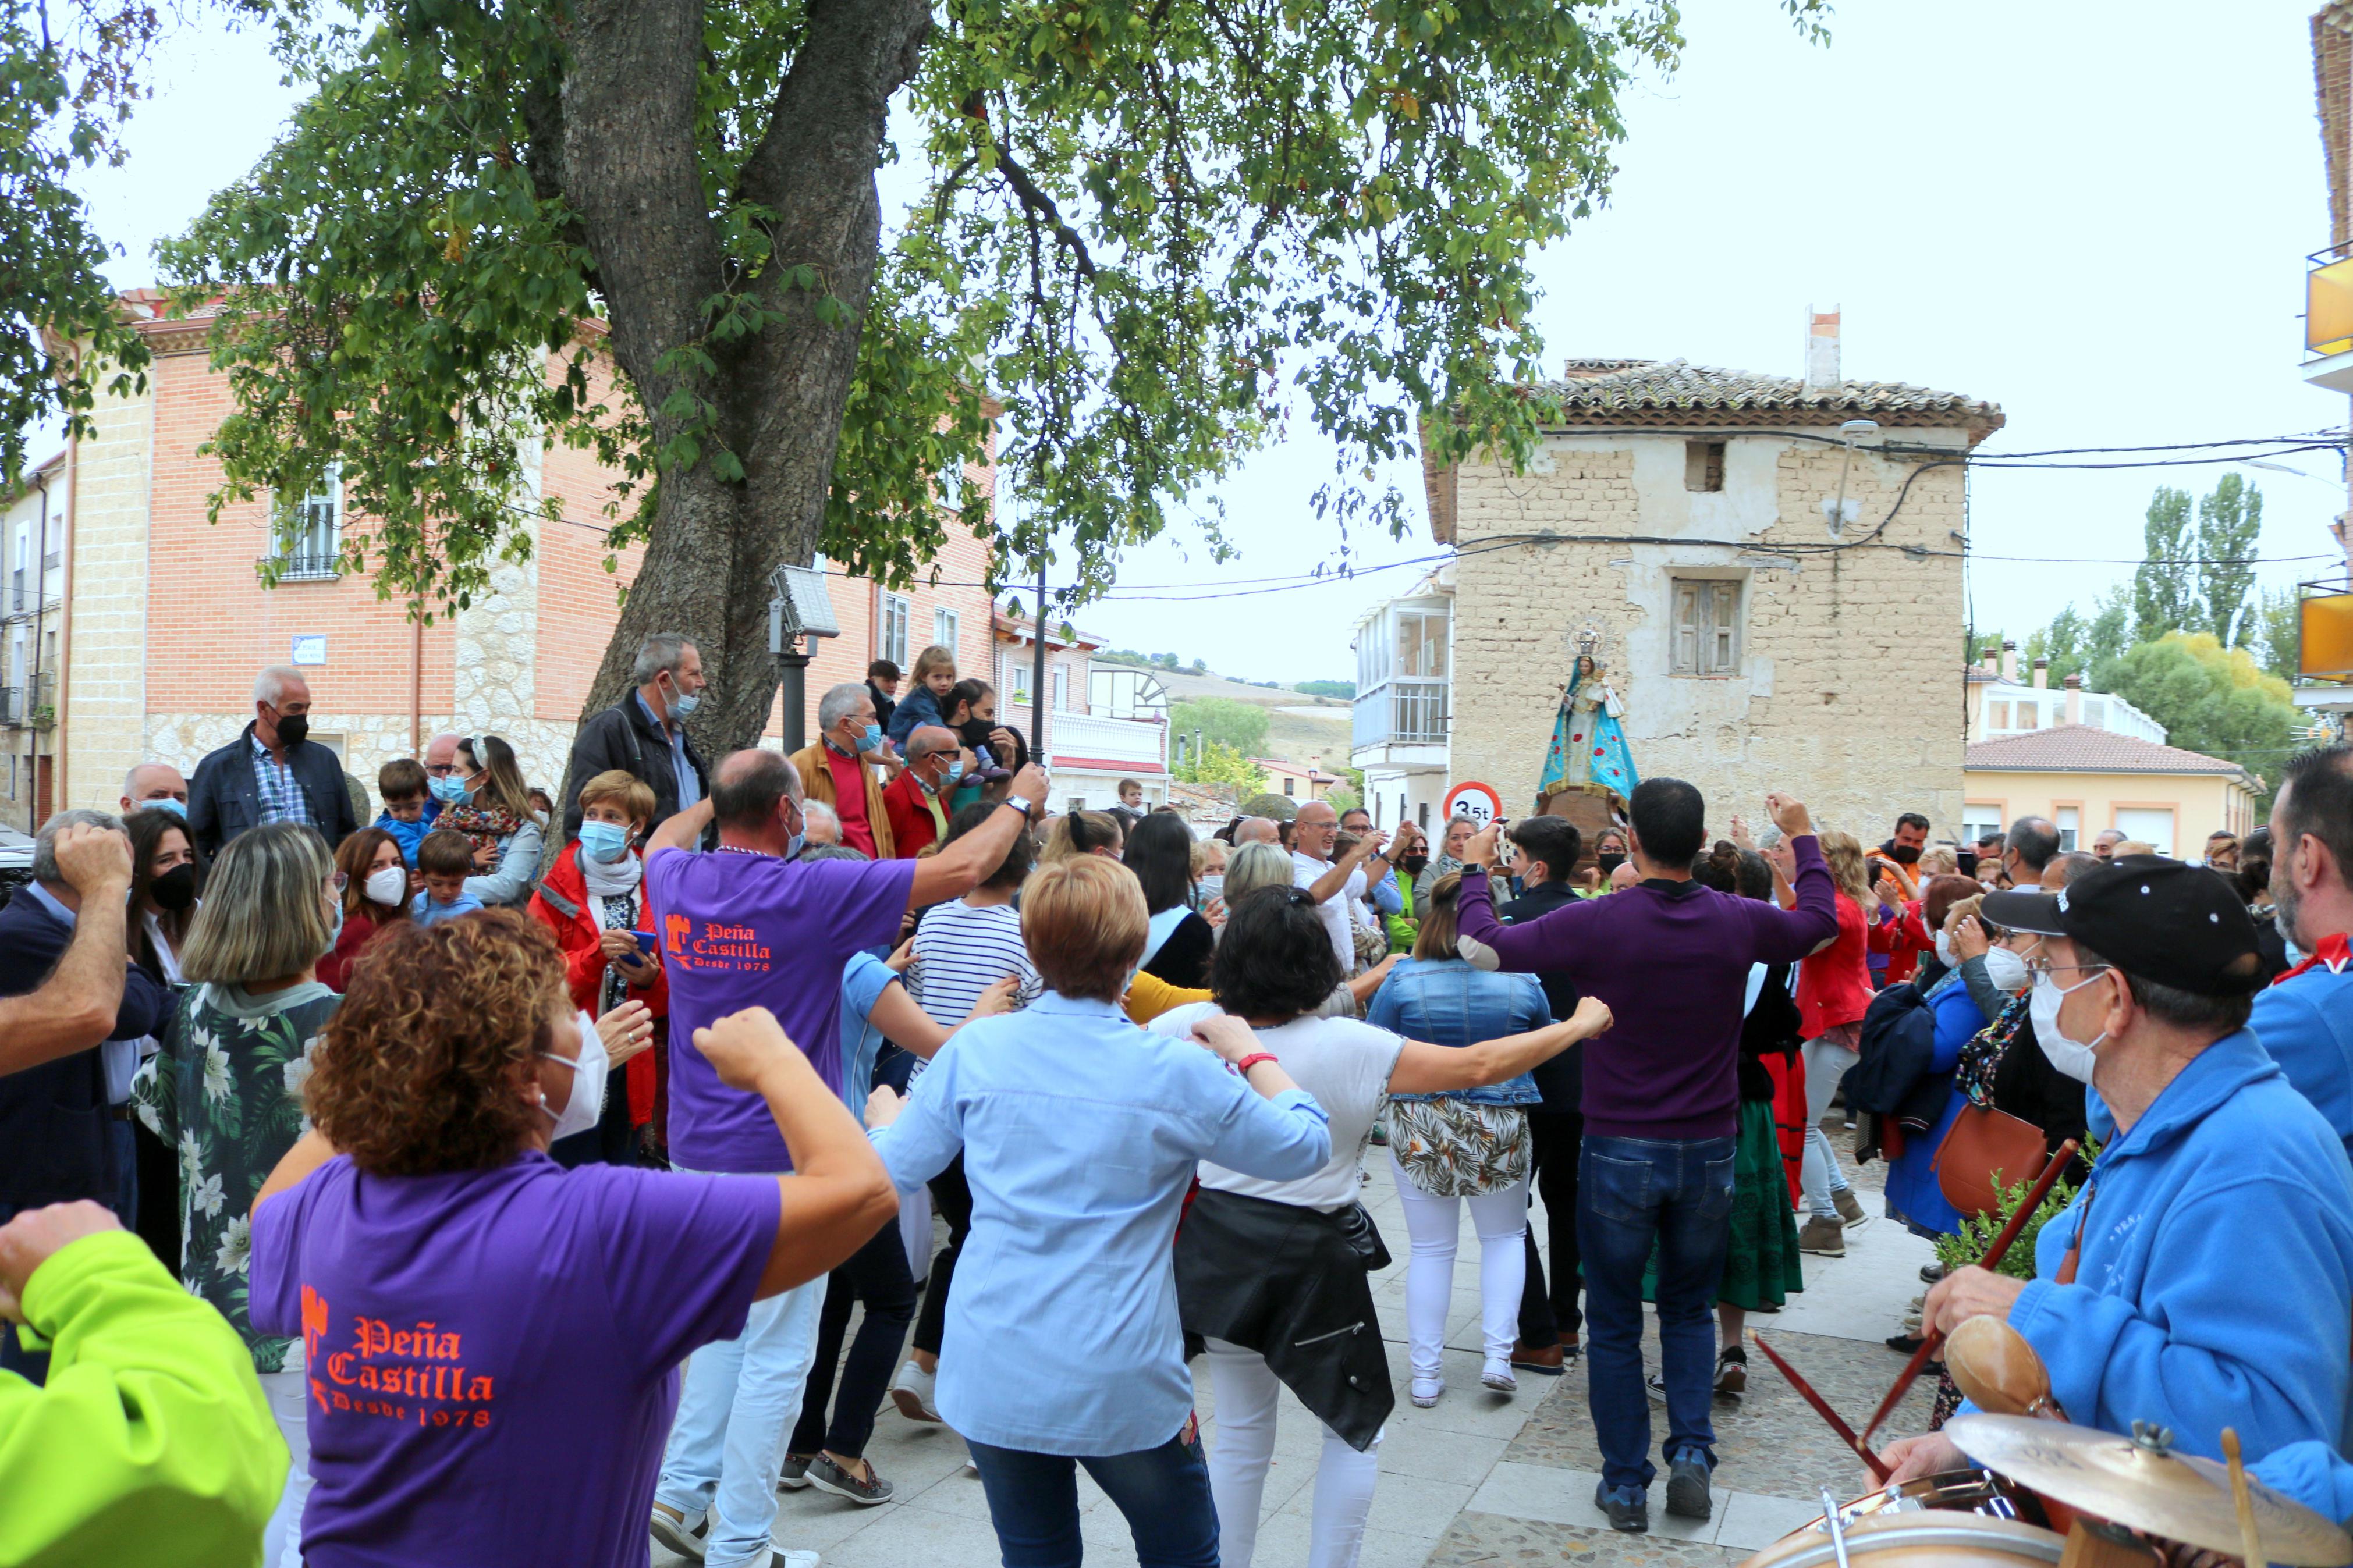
(630, 167)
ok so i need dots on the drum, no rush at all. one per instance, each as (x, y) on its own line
(1948, 1491)
(1925, 1538)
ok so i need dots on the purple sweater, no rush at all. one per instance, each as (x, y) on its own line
(1672, 961)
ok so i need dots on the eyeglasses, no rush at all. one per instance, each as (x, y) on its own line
(2039, 967)
(339, 881)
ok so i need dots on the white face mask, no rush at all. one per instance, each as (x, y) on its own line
(2005, 969)
(2073, 1058)
(1944, 951)
(587, 1102)
(388, 886)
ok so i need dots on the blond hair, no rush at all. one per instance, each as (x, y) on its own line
(1941, 861)
(264, 914)
(1848, 868)
(939, 656)
(623, 788)
(1083, 922)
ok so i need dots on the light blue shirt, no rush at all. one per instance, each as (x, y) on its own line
(1385, 894)
(689, 787)
(119, 1058)
(1080, 1134)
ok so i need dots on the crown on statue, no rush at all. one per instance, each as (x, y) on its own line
(1588, 642)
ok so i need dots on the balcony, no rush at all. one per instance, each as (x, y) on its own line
(2329, 319)
(1403, 722)
(1091, 740)
(12, 707)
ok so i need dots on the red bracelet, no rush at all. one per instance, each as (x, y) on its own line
(1251, 1060)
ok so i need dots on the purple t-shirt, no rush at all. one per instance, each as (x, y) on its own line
(749, 930)
(477, 1340)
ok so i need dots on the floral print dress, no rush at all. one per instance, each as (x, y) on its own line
(225, 1092)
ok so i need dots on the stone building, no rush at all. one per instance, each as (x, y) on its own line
(162, 619)
(1771, 567)
(32, 535)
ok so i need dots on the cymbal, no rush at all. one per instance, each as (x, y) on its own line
(2176, 1497)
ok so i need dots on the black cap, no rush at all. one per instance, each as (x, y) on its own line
(2163, 921)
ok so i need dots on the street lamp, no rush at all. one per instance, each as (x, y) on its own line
(799, 607)
(1853, 430)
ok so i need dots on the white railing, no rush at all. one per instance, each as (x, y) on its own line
(1121, 740)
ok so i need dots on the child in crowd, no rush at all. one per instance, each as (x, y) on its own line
(404, 786)
(447, 859)
(1130, 796)
(926, 701)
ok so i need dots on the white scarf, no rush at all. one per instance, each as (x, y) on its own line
(612, 880)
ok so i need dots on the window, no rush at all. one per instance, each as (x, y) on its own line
(1421, 644)
(1703, 465)
(1421, 815)
(2069, 822)
(1016, 679)
(950, 480)
(945, 625)
(1980, 819)
(1996, 715)
(1061, 673)
(2152, 824)
(2095, 713)
(2028, 715)
(1707, 627)
(1290, 784)
(893, 640)
(306, 538)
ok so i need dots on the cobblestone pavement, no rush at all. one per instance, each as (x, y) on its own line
(1480, 1480)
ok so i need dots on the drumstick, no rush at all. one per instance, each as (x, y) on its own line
(2250, 1541)
(1992, 1259)
(1822, 1407)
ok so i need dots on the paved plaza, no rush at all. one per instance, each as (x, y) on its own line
(1482, 1480)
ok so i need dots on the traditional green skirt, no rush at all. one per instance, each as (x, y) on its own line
(1760, 1264)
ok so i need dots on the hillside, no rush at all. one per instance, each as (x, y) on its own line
(1300, 729)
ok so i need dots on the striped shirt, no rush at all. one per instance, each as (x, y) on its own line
(961, 951)
(282, 798)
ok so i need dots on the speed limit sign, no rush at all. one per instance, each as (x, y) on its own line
(1474, 800)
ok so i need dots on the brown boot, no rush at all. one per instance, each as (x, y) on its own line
(1544, 1359)
(1823, 1237)
(1850, 1208)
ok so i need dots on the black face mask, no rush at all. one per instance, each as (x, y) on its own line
(1904, 854)
(293, 729)
(1414, 865)
(175, 889)
(1609, 861)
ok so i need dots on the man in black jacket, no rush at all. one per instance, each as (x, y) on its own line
(65, 1136)
(644, 734)
(1543, 857)
(272, 773)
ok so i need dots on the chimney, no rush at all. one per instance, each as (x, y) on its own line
(1822, 349)
(1992, 659)
(2009, 660)
(2074, 685)
(2042, 674)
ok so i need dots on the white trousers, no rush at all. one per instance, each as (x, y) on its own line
(282, 1538)
(1819, 1176)
(1246, 1394)
(1434, 1227)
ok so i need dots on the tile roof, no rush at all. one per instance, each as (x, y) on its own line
(2083, 749)
(1674, 392)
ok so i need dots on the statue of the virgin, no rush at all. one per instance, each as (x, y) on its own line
(1589, 755)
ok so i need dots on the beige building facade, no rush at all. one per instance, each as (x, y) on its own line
(2086, 780)
(1775, 589)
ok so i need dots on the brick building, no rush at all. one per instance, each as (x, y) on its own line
(1685, 514)
(164, 621)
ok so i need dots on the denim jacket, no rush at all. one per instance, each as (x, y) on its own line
(1448, 1003)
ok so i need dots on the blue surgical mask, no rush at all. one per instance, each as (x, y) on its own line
(871, 739)
(955, 772)
(682, 703)
(449, 790)
(604, 841)
(177, 807)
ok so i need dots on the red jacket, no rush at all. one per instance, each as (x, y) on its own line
(336, 969)
(1834, 984)
(912, 827)
(563, 905)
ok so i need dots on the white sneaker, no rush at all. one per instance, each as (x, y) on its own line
(911, 1390)
(1498, 1375)
(686, 1537)
(1426, 1390)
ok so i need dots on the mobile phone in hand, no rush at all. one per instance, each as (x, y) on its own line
(645, 941)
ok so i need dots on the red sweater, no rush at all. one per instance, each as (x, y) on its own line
(1834, 984)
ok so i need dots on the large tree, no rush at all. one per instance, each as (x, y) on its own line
(2165, 595)
(1154, 232)
(2210, 699)
(2229, 519)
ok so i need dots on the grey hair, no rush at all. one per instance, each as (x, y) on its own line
(45, 842)
(839, 703)
(1256, 865)
(816, 811)
(270, 684)
(661, 651)
(832, 852)
(264, 914)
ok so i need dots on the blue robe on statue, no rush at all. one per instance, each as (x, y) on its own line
(1588, 743)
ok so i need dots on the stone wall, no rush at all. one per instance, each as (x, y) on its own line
(1848, 690)
(103, 654)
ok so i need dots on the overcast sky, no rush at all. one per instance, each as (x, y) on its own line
(2095, 216)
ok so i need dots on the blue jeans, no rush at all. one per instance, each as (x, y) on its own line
(738, 1398)
(1164, 1493)
(1635, 1193)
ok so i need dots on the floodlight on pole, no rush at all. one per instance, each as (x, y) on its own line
(799, 607)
